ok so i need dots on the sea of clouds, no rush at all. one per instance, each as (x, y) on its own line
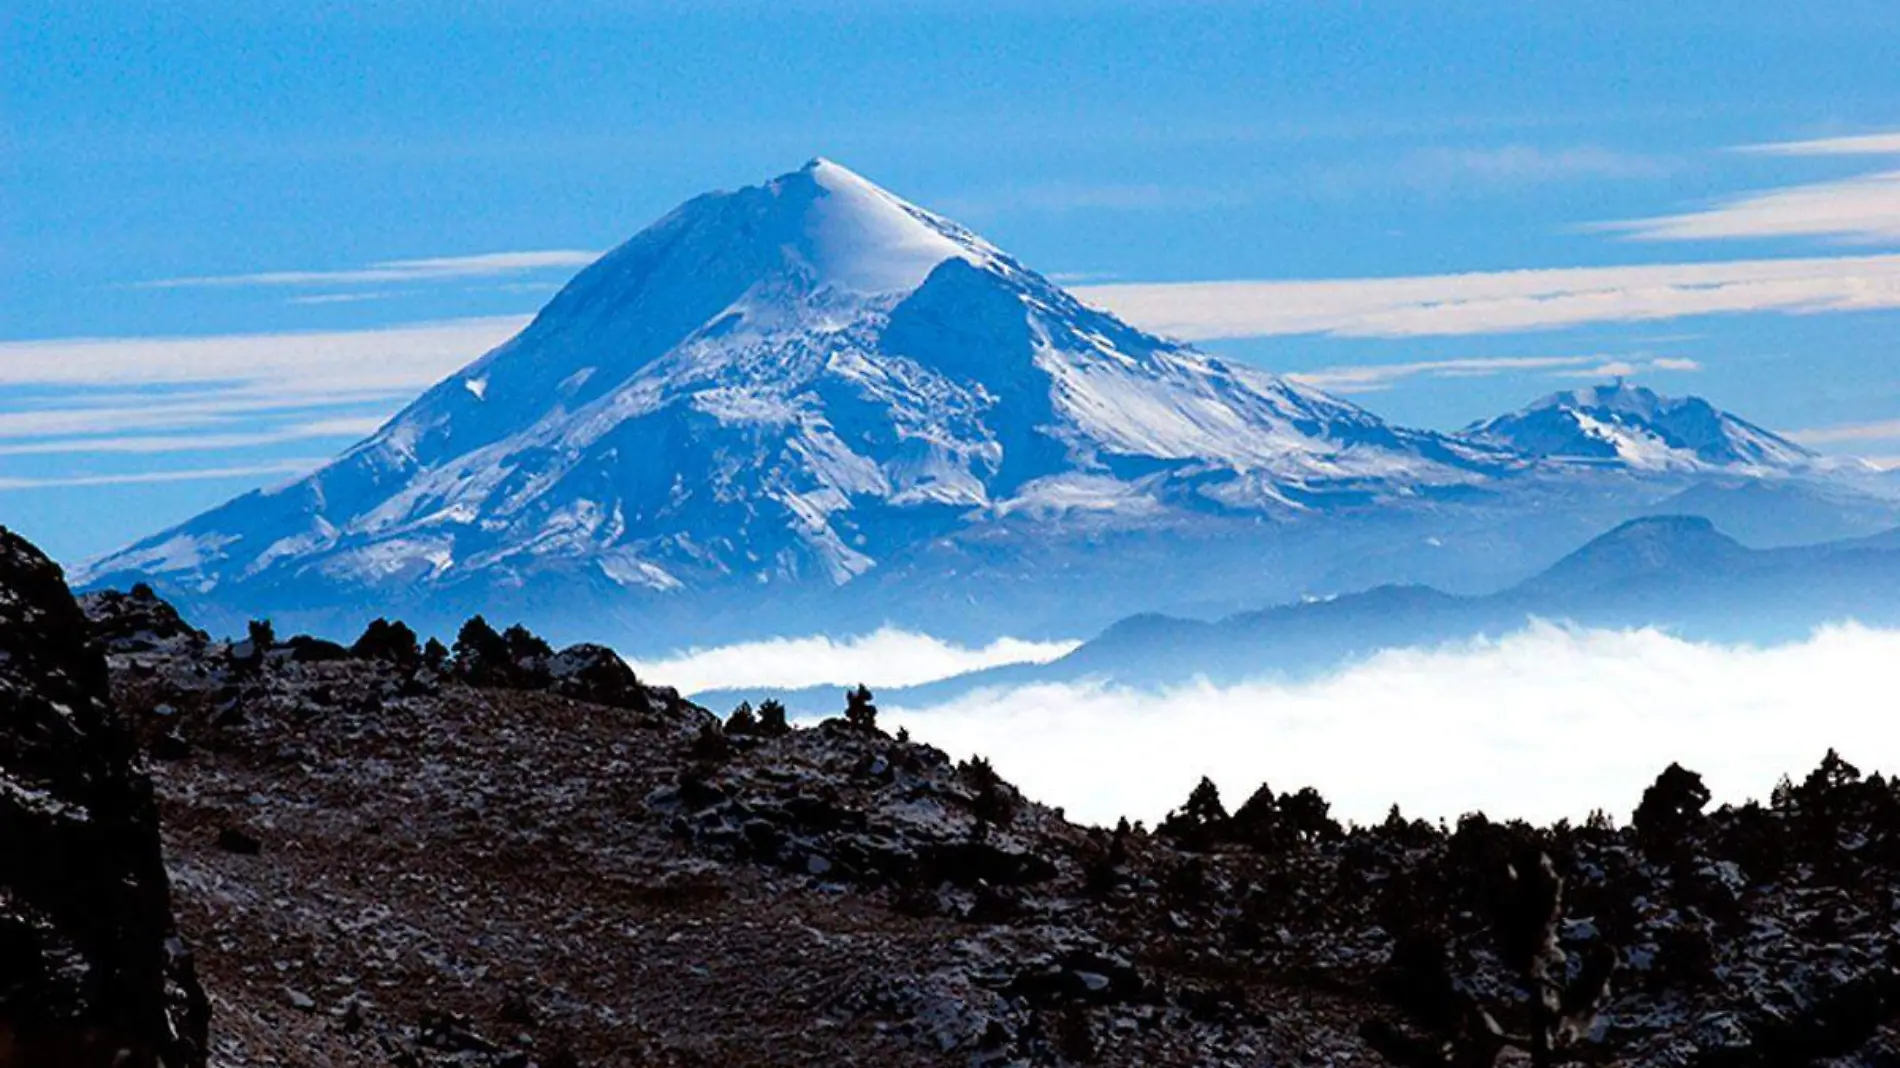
(1546, 723)
(1543, 724)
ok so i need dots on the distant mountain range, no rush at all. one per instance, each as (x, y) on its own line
(809, 405)
(1678, 573)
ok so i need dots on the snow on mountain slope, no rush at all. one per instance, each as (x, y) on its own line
(793, 382)
(1638, 428)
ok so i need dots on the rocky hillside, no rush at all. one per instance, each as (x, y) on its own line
(503, 855)
(92, 971)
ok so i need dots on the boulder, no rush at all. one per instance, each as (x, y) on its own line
(596, 673)
(139, 621)
(91, 968)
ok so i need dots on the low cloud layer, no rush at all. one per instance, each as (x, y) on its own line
(887, 657)
(1547, 723)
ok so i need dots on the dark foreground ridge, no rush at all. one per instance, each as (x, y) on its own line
(498, 854)
(91, 970)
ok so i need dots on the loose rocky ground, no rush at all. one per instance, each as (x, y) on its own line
(508, 856)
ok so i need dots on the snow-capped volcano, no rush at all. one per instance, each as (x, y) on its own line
(793, 382)
(1637, 427)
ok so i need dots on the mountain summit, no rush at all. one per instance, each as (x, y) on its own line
(1637, 427)
(793, 383)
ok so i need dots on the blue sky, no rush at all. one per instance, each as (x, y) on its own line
(410, 178)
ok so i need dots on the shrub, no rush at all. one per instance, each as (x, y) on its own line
(263, 636)
(711, 745)
(393, 643)
(1308, 816)
(1670, 809)
(992, 800)
(1257, 821)
(772, 722)
(859, 710)
(481, 656)
(525, 645)
(1201, 821)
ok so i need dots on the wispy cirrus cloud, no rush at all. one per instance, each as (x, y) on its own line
(348, 298)
(1369, 378)
(1060, 197)
(1863, 208)
(1840, 433)
(285, 468)
(1504, 301)
(1631, 367)
(1521, 164)
(1876, 144)
(146, 444)
(104, 412)
(232, 393)
(394, 360)
(428, 269)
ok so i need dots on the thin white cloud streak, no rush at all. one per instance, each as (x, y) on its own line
(193, 410)
(1525, 164)
(285, 467)
(227, 391)
(146, 444)
(1058, 197)
(348, 298)
(1880, 144)
(404, 357)
(1864, 208)
(1503, 301)
(1544, 724)
(431, 269)
(1367, 378)
(886, 657)
(1631, 368)
(1884, 430)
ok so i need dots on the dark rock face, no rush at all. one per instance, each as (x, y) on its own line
(91, 969)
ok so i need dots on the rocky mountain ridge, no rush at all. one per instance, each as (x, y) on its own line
(396, 852)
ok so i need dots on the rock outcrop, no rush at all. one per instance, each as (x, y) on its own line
(92, 971)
